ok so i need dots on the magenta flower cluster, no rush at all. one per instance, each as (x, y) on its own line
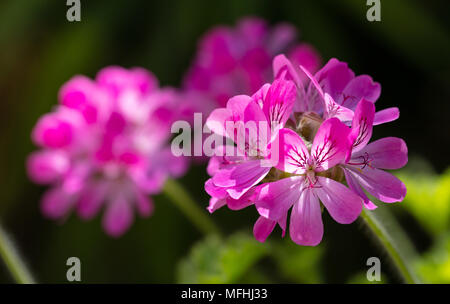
(325, 125)
(106, 145)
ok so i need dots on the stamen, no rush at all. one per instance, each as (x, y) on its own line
(365, 161)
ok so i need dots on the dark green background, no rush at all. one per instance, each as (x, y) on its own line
(407, 52)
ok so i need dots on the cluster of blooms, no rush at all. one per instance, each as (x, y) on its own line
(106, 144)
(322, 137)
(232, 61)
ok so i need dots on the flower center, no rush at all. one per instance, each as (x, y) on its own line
(307, 125)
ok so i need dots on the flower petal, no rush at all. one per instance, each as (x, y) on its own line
(56, 203)
(261, 94)
(273, 200)
(151, 180)
(215, 191)
(283, 69)
(343, 205)
(293, 152)
(314, 83)
(56, 130)
(214, 165)
(238, 178)
(82, 94)
(47, 166)
(306, 227)
(334, 77)
(306, 56)
(263, 228)
(332, 109)
(255, 130)
(244, 201)
(279, 102)
(118, 217)
(281, 37)
(362, 124)
(117, 80)
(237, 105)
(91, 200)
(331, 144)
(386, 115)
(144, 204)
(361, 86)
(282, 223)
(354, 185)
(175, 165)
(217, 119)
(383, 185)
(215, 203)
(385, 153)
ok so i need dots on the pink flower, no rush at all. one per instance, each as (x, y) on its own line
(307, 186)
(363, 168)
(232, 61)
(106, 146)
(316, 150)
(234, 176)
(334, 91)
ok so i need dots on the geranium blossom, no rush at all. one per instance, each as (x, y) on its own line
(324, 142)
(106, 146)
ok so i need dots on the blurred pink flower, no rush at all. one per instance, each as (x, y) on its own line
(237, 60)
(106, 146)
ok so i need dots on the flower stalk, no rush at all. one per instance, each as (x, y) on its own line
(13, 262)
(182, 200)
(393, 241)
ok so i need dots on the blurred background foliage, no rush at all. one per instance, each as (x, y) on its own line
(407, 52)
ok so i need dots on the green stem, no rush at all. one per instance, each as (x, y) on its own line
(393, 240)
(181, 198)
(13, 261)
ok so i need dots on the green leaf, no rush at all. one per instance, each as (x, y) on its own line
(300, 264)
(434, 266)
(214, 260)
(13, 260)
(428, 199)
